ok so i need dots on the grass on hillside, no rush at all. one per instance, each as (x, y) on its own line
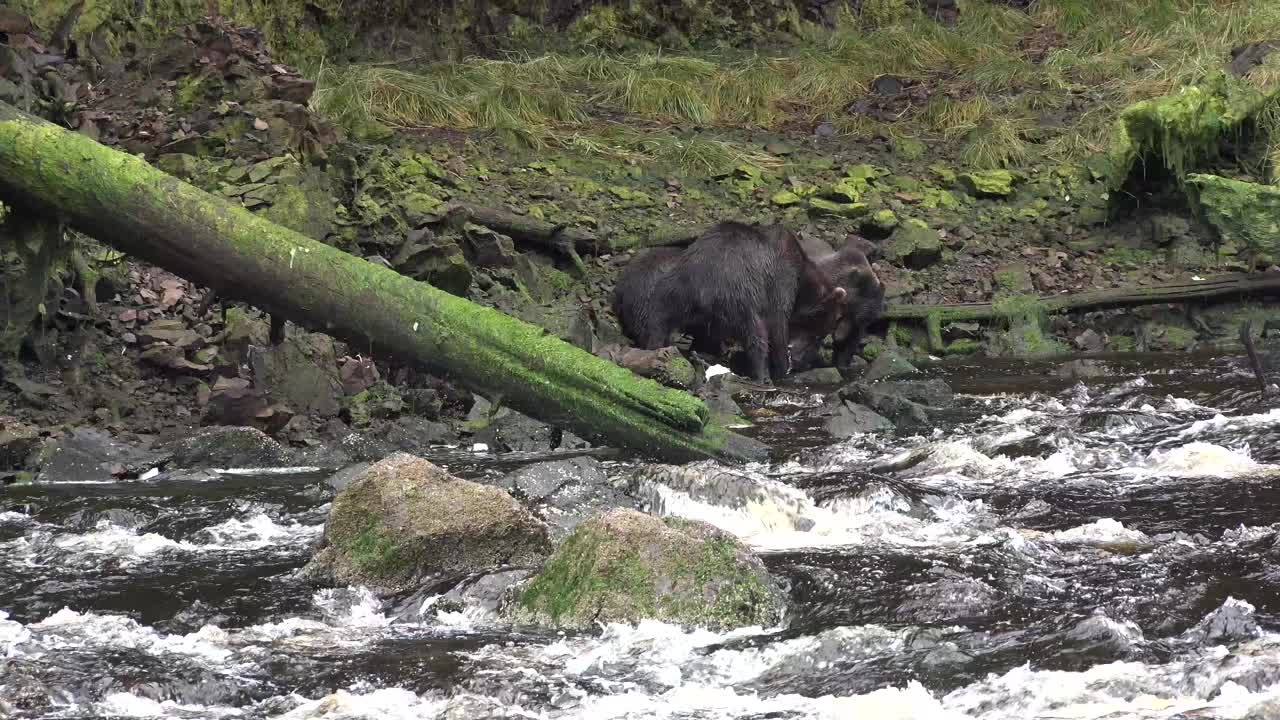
(995, 101)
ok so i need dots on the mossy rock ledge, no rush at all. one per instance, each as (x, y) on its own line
(404, 520)
(626, 566)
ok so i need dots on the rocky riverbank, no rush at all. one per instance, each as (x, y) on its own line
(128, 348)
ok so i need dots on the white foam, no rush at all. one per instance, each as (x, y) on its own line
(1104, 531)
(255, 532)
(383, 704)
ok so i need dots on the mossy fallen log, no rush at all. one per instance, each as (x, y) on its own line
(1227, 285)
(120, 199)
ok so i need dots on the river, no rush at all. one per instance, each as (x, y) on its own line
(1051, 549)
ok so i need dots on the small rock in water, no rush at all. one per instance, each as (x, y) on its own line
(853, 419)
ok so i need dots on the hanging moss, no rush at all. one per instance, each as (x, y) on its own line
(1183, 130)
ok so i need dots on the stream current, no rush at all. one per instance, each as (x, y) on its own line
(1050, 549)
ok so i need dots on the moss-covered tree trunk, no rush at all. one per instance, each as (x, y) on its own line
(121, 200)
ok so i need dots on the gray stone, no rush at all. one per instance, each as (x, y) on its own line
(405, 520)
(853, 419)
(228, 446)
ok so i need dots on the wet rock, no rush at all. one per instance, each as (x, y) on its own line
(913, 245)
(434, 259)
(487, 248)
(416, 434)
(301, 372)
(714, 485)
(952, 598)
(566, 492)
(1099, 635)
(818, 376)
(1080, 369)
(1233, 622)
(509, 431)
(889, 363)
(719, 401)
(346, 475)
(1248, 56)
(85, 520)
(405, 520)
(987, 183)
(482, 591)
(229, 447)
(1089, 341)
(906, 403)
(851, 419)
(87, 454)
(626, 566)
(17, 441)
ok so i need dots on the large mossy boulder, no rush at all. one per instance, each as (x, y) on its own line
(627, 566)
(405, 520)
(1243, 213)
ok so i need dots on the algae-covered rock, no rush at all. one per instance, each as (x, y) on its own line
(913, 245)
(822, 207)
(1244, 213)
(179, 165)
(627, 566)
(988, 183)
(405, 519)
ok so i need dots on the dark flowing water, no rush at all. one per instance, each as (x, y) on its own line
(1052, 551)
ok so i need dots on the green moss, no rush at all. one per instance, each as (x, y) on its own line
(1183, 130)
(1176, 337)
(964, 346)
(1121, 343)
(1024, 317)
(1124, 257)
(909, 148)
(188, 93)
(374, 553)
(823, 207)
(1243, 213)
(988, 183)
(596, 575)
(569, 582)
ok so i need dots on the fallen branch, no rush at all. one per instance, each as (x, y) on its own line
(1223, 285)
(123, 201)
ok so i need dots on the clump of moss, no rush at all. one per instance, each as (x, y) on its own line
(1024, 317)
(625, 566)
